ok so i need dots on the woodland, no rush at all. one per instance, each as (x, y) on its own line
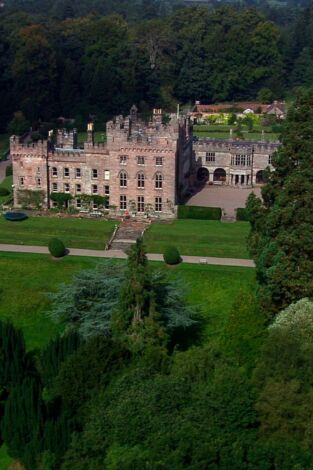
(97, 65)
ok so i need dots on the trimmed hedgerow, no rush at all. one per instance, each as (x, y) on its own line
(4, 192)
(194, 212)
(9, 170)
(56, 248)
(171, 255)
(242, 214)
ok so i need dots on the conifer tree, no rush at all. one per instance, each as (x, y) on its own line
(283, 235)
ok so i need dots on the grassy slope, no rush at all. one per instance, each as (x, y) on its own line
(99, 137)
(200, 237)
(75, 233)
(6, 183)
(223, 132)
(28, 279)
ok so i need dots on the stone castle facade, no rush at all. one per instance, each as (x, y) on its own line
(232, 162)
(141, 169)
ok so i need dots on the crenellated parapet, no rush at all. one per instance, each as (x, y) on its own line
(235, 146)
(32, 150)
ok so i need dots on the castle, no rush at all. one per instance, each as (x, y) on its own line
(143, 168)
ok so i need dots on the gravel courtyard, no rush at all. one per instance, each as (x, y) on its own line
(226, 197)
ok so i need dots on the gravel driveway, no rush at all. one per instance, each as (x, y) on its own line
(226, 197)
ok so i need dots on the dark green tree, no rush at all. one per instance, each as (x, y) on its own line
(282, 237)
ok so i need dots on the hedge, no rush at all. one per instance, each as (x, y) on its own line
(171, 255)
(194, 212)
(4, 192)
(56, 248)
(9, 170)
(242, 214)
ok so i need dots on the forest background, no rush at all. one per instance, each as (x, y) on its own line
(82, 59)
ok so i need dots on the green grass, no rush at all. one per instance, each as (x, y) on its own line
(222, 132)
(199, 238)
(99, 137)
(214, 289)
(5, 460)
(27, 278)
(6, 183)
(25, 281)
(75, 233)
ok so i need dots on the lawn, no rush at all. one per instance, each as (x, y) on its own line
(99, 137)
(75, 233)
(28, 278)
(214, 289)
(223, 132)
(25, 282)
(199, 238)
(7, 184)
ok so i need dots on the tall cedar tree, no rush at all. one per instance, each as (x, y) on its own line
(282, 231)
(137, 320)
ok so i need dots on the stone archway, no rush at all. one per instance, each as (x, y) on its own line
(260, 177)
(219, 174)
(203, 175)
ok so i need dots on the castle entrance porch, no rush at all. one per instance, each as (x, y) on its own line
(219, 175)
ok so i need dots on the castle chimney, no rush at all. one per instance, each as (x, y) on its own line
(157, 116)
(90, 133)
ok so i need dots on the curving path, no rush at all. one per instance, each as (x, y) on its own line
(119, 254)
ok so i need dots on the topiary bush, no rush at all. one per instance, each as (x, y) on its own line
(242, 214)
(171, 255)
(4, 192)
(9, 170)
(203, 213)
(56, 248)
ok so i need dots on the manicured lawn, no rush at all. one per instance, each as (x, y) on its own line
(214, 289)
(199, 238)
(75, 233)
(224, 133)
(25, 281)
(28, 278)
(99, 137)
(7, 184)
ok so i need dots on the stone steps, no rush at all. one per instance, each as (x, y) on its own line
(127, 234)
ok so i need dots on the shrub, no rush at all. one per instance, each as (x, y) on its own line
(56, 248)
(4, 192)
(204, 213)
(9, 170)
(242, 214)
(171, 255)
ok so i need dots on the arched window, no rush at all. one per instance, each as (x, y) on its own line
(158, 181)
(140, 180)
(123, 179)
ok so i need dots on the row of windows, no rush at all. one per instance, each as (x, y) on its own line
(241, 160)
(140, 160)
(210, 157)
(141, 203)
(158, 180)
(78, 188)
(238, 160)
(38, 181)
(78, 173)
